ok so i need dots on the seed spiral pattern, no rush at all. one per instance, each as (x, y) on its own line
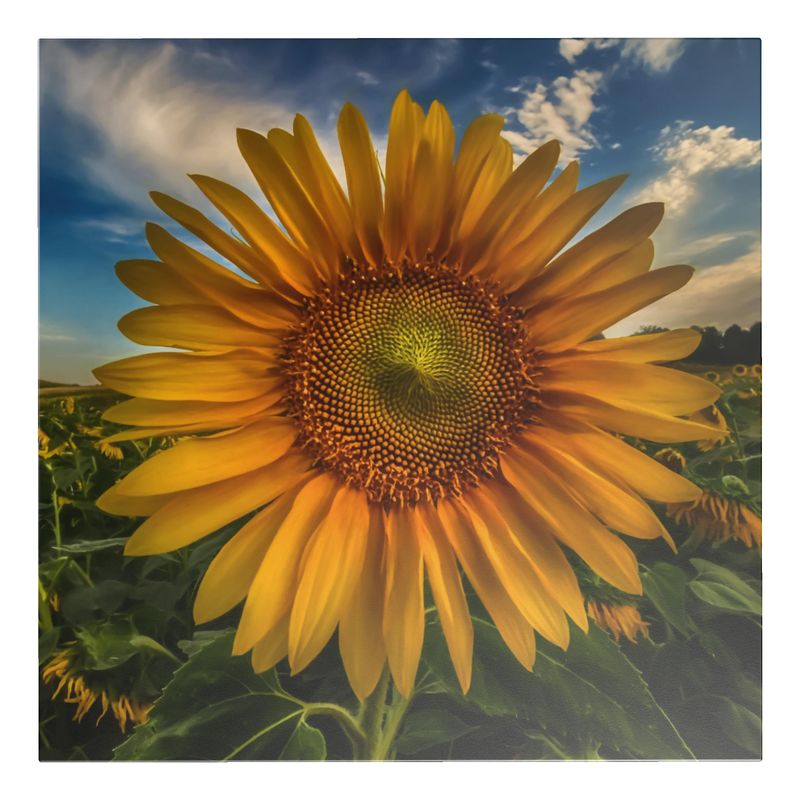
(408, 380)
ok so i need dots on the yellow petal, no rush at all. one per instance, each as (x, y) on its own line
(619, 509)
(564, 223)
(448, 594)
(403, 608)
(195, 513)
(289, 201)
(534, 537)
(609, 454)
(112, 502)
(605, 553)
(451, 520)
(476, 145)
(273, 647)
(524, 184)
(620, 383)
(136, 434)
(192, 327)
(515, 572)
(262, 234)
(242, 298)
(233, 569)
(197, 223)
(235, 375)
(331, 568)
(509, 254)
(405, 130)
(666, 346)
(323, 188)
(494, 173)
(570, 322)
(630, 420)
(363, 181)
(360, 626)
(630, 264)
(616, 237)
(159, 283)
(431, 181)
(200, 461)
(272, 589)
(141, 411)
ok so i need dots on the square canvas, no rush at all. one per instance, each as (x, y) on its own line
(400, 399)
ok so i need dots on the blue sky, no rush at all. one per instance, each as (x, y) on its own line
(119, 118)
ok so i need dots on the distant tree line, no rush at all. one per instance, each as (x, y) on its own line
(736, 345)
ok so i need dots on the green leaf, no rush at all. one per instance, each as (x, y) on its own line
(305, 744)
(107, 645)
(592, 691)
(91, 546)
(665, 586)
(720, 587)
(721, 718)
(141, 642)
(425, 729)
(216, 708)
(735, 485)
(47, 643)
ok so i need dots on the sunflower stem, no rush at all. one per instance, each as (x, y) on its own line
(347, 721)
(373, 709)
(381, 720)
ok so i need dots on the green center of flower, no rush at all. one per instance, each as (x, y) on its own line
(407, 381)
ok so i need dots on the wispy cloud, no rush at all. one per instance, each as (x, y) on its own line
(690, 152)
(561, 110)
(367, 78)
(719, 295)
(653, 55)
(116, 229)
(151, 120)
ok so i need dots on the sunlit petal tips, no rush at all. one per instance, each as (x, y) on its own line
(399, 383)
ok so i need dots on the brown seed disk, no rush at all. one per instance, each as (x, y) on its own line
(409, 380)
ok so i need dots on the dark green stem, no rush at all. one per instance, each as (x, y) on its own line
(348, 723)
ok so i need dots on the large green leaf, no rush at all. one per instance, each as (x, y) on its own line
(665, 586)
(216, 708)
(723, 588)
(425, 729)
(592, 691)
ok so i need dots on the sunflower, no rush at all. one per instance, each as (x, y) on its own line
(618, 620)
(740, 370)
(718, 519)
(402, 382)
(83, 691)
(672, 458)
(713, 417)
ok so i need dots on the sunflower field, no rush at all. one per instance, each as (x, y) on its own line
(126, 674)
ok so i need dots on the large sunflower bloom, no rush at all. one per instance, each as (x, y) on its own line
(405, 382)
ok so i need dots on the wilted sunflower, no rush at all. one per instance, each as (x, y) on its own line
(84, 688)
(618, 620)
(404, 383)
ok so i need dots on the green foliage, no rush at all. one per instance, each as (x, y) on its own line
(691, 689)
(216, 708)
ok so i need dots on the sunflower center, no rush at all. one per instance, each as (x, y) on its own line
(407, 381)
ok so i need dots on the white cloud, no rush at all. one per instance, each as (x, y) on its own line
(367, 78)
(152, 121)
(719, 295)
(691, 152)
(654, 55)
(560, 111)
(572, 48)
